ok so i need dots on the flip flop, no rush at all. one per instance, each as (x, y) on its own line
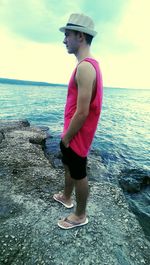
(63, 203)
(71, 223)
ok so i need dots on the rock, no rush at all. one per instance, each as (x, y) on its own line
(1, 136)
(139, 204)
(6, 125)
(133, 180)
(28, 225)
(135, 183)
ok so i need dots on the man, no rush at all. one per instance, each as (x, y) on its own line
(82, 111)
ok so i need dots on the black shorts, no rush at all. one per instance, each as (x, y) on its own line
(75, 163)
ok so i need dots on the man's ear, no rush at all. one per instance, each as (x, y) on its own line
(81, 36)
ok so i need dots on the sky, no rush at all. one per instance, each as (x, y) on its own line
(31, 45)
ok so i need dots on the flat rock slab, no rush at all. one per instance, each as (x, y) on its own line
(6, 125)
(28, 214)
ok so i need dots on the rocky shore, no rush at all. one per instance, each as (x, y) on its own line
(28, 215)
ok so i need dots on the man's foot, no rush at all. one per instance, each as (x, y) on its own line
(60, 198)
(72, 221)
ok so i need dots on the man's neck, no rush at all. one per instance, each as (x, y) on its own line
(83, 53)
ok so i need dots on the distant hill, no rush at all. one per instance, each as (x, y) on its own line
(36, 83)
(24, 82)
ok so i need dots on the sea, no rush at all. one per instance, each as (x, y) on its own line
(120, 149)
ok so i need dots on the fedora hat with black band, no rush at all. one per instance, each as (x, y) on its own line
(80, 22)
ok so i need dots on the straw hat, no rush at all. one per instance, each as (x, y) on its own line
(80, 22)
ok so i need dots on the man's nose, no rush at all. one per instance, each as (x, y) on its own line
(64, 41)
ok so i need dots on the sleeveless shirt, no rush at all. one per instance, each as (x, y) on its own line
(81, 142)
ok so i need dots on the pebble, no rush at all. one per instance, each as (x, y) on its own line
(132, 255)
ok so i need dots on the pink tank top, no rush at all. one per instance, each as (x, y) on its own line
(81, 142)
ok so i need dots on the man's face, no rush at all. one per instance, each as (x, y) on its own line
(71, 41)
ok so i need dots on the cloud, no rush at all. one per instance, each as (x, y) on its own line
(28, 19)
(30, 39)
(135, 23)
(36, 20)
(104, 11)
(39, 20)
(128, 66)
(34, 61)
(130, 33)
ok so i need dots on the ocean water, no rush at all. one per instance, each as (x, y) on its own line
(122, 141)
(123, 132)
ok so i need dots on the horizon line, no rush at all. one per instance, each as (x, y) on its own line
(5, 80)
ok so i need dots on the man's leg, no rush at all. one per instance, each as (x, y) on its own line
(79, 217)
(69, 185)
(65, 197)
(82, 192)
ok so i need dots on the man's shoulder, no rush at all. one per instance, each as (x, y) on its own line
(85, 67)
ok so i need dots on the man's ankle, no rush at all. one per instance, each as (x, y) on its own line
(66, 196)
(80, 215)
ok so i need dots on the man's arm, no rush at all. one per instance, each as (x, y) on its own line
(85, 78)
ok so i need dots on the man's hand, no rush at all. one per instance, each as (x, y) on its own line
(65, 141)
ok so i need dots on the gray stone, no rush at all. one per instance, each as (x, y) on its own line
(1, 136)
(6, 125)
(28, 214)
(134, 180)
